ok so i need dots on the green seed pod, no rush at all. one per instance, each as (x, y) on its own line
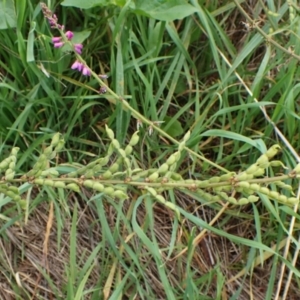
(12, 165)
(47, 152)
(5, 163)
(128, 150)
(228, 176)
(253, 198)
(13, 189)
(114, 168)
(11, 194)
(120, 195)
(55, 139)
(97, 169)
(39, 181)
(14, 151)
(207, 196)
(17, 198)
(171, 160)
(216, 198)
(243, 201)
(134, 139)
(263, 161)
(163, 169)
(152, 191)
(277, 163)
(223, 195)
(109, 132)
(122, 152)
(153, 176)
(259, 172)
(23, 203)
(53, 173)
(48, 182)
(292, 200)
(107, 175)
(88, 183)
(227, 188)
(265, 190)
(53, 154)
(116, 144)
(9, 174)
(248, 191)
(252, 169)
(59, 184)
(232, 200)
(244, 176)
(89, 174)
(60, 145)
(255, 187)
(283, 198)
(161, 199)
(98, 187)
(74, 187)
(214, 180)
(274, 194)
(186, 136)
(108, 191)
(202, 184)
(273, 151)
(175, 176)
(244, 184)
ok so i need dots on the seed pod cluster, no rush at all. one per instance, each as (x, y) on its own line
(10, 191)
(8, 164)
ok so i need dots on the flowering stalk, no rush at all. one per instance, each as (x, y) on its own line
(81, 66)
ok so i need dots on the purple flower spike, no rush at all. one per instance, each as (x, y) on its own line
(69, 35)
(77, 65)
(78, 48)
(86, 71)
(56, 39)
(58, 45)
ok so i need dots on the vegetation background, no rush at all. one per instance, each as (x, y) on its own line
(228, 71)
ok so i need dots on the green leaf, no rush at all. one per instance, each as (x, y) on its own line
(164, 10)
(231, 135)
(79, 38)
(173, 127)
(87, 3)
(7, 14)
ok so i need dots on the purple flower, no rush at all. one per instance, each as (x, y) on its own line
(78, 48)
(69, 35)
(56, 39)
(86, 71)
(77, 65)
(58, 45)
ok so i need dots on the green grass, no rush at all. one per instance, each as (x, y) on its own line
(235, 89)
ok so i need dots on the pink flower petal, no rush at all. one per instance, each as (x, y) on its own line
(69, 35)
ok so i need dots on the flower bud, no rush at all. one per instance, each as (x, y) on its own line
(171, 160)
(292, 200)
